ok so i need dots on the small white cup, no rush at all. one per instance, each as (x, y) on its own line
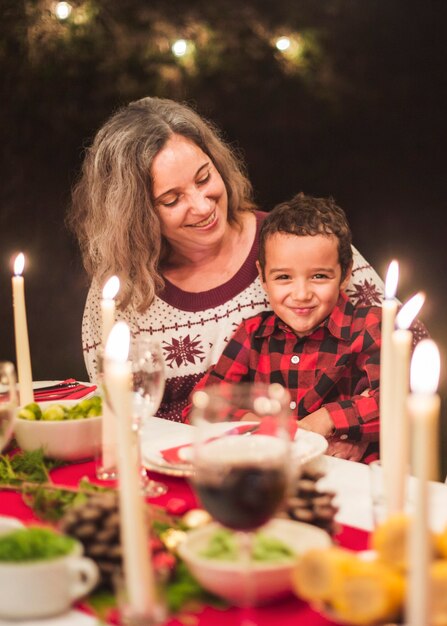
(45, 587)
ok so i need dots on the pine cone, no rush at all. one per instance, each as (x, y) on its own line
(96, 524)
(310, 504)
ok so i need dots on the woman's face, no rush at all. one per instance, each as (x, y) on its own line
(189, 196)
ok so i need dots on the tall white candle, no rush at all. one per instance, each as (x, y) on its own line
(24, 373)
(398, 433)
(109, 292)
(138, 572)
(389, 310)
(108, 443)
(424, 406)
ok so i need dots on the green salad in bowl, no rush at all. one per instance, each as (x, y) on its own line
(223, 546)
(69, 430)
(90, 407)
(213, 557)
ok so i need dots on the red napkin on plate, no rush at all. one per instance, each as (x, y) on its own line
(172, 455)
(73, 392)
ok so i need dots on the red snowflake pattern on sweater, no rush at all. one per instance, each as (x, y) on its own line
(183, 350)
(364, 294)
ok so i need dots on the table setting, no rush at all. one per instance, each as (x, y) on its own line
(354, 516)
(92, 482)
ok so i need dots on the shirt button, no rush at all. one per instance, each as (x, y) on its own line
(343, 437)
(293, 405)
(295, 359)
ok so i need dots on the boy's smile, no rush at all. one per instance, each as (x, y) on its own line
(302, 278)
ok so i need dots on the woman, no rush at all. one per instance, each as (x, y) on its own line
(165, 204)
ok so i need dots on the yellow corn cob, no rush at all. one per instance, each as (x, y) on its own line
(438, 590)
(441, 543)
(390, 540)
(318, 571)
(368, 592)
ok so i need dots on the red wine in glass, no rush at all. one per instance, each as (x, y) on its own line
(243, 496)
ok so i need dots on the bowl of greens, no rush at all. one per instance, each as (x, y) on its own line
(69, 430)
(213, 556)
(42, 573)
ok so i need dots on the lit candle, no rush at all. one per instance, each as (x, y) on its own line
(108, 458)
(109, 292)
(138, 573)
(389, 310)
(398, 432)
(424, 407)
(23, 357)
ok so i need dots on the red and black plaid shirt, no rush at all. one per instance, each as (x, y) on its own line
(331, 367)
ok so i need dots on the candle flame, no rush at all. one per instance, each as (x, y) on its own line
(410, 310)
(118, 343)
(19, 264)
(425, 367)
(392, 276)
(111, 288)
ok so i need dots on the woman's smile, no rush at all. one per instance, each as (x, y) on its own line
(210, 220)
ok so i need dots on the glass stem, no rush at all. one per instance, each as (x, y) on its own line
(245, 541)
(150, 488)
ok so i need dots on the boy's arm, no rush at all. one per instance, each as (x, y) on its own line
(355, 418)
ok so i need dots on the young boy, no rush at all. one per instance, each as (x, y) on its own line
(314, 342)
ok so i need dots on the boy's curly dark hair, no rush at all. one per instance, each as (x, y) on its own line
(305, 215)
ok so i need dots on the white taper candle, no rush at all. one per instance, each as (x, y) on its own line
(399, 430)
(424, 407)
(389, 310)
(109, 292)
(24, 373)
(109, 445)
(139, 578)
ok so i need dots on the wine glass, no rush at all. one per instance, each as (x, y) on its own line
(148, 385)
(241, 468)
(8, 402)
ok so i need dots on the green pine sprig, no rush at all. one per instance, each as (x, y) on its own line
(29, 473)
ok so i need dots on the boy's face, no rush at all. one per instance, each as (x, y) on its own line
(302, 278)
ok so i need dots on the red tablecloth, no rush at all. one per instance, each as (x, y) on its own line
(288, 612)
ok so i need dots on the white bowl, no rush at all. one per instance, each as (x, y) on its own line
(270, 581)
(32, 590)
(64, 440)
(8, 524)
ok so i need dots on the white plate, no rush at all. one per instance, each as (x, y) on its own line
(306, 447)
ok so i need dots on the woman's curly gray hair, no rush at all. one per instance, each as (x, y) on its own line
(112, 212)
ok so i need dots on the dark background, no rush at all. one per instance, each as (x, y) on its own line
(358, 111)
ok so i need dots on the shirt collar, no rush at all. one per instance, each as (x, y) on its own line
(337, 323)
